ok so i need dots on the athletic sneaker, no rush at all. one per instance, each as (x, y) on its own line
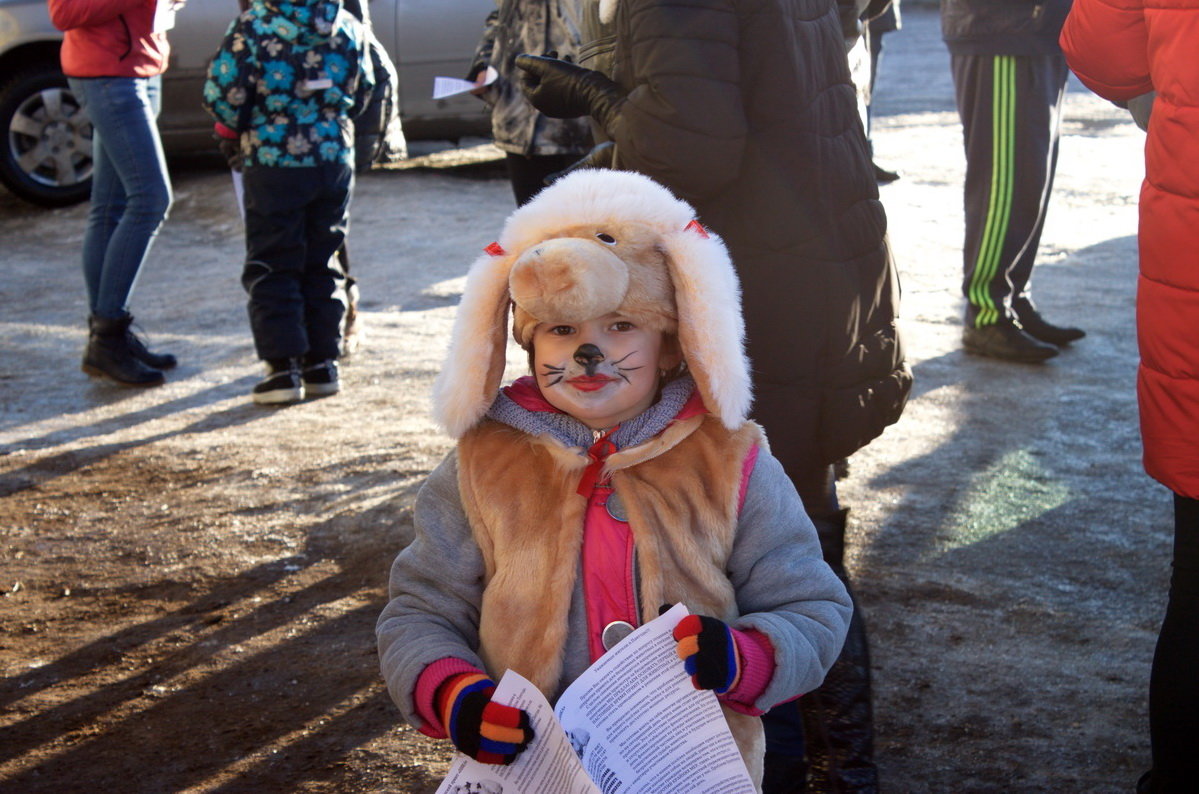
(320, 379)
(282, 384)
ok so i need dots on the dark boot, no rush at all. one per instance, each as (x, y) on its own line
(1041, 329)
(282, 384)
(1006, 342)
(110, 354)
(838, 718)
(141, 352)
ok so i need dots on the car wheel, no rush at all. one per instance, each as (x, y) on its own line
(46, 149)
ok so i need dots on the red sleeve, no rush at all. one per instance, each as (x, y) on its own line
(69, 14)
(1106, 45)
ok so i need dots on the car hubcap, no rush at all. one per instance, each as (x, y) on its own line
(50, 139)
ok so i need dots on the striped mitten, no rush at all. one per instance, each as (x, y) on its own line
(488, 732)
(709, 653)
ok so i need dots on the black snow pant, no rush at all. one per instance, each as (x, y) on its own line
(1010, 106)
(296, 219)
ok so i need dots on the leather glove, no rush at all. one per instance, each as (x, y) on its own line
(563, 90)
(709, 652)
(491, 733)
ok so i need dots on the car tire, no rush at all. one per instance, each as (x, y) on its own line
(45, 138)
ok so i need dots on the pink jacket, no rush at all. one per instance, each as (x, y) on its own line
(109, 38)
(1121, 49)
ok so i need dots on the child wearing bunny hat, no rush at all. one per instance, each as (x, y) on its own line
(621, 475)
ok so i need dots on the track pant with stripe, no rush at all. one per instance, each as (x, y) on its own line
(1010, 106)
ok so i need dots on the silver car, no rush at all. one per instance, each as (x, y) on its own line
(45, 149)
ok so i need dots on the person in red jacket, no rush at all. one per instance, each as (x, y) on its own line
(113, 54)
(1124, 50)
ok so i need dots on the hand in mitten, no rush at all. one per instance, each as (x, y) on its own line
(709, 652)
(563, 90)
(486, 731)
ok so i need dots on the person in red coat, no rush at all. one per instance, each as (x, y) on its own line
(113, 55)
(1124, 50)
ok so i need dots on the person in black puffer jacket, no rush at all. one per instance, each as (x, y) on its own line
(746, 110)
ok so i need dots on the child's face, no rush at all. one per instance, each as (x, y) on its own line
(601, 371)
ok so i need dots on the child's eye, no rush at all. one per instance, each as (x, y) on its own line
(623, 325)
(606, 238)
(561, 330)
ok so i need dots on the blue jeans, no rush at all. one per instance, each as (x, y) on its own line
(131, 191)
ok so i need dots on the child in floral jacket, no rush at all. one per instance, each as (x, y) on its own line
(288, 81)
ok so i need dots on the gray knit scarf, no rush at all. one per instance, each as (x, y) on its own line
(573, 433)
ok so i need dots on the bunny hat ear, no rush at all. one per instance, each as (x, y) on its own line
(706, 292)
(474, 365)
(711, 329)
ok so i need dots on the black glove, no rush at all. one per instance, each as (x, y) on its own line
(230, 149)
(564, 91)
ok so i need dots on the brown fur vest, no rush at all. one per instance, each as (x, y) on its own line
(681, 490)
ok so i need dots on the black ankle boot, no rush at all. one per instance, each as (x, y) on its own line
(139, 349)
(109, 354)
(1041, 329)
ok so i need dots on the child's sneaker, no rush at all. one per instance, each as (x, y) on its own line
(282, 384)
(320, 379)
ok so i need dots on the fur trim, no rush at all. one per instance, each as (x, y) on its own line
(683, 519)
(680, 279)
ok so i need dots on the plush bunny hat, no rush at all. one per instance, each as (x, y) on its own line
(593, 243)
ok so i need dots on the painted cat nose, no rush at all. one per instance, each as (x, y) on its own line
(588, 355)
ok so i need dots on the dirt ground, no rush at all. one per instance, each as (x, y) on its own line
(190, 582)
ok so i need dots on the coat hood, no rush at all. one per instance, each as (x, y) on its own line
(302, 22)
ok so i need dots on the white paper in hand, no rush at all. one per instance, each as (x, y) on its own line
(164, 16)
(631, 723)
(451, 86)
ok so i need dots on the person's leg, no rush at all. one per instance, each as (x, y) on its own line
(107, 200)
(1046, 89)
(1003, 192)
(838, 716)
(323, 282)
(833, 724)
(1011, 129)
(276, 252)
(1173, 684)
(129, 201)
(528, 174)
(352, 333)
(874, 43)
(123, 113)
